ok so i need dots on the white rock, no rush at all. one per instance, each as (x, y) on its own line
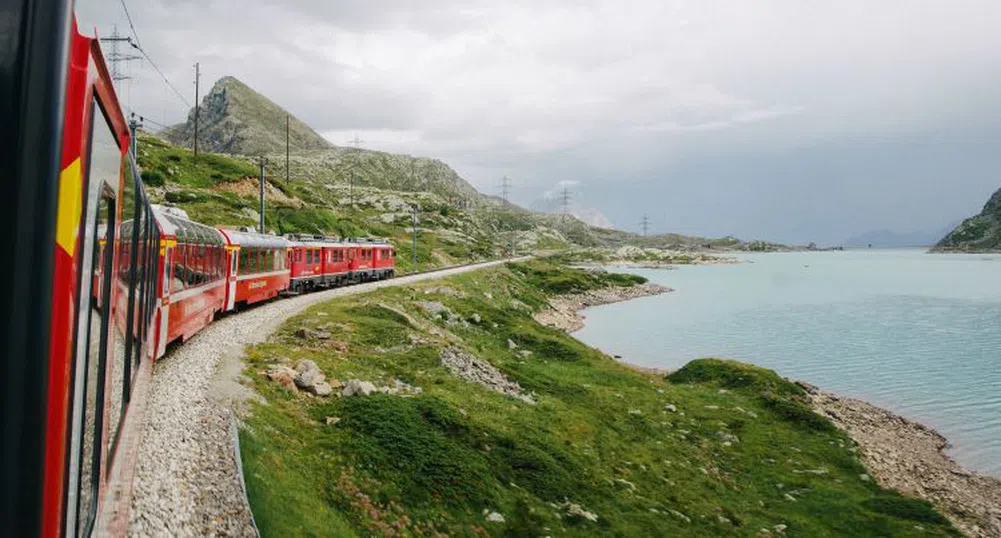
(495, 517)
(357, 387)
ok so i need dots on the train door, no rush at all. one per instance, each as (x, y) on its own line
(234, 254)
(164, 306)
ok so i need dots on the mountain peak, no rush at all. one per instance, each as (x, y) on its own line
(234, 118)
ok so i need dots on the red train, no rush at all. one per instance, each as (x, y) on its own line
(98, 281)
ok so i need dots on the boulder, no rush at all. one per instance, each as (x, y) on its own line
(575, 510)
(444, 290)
(511, 344)
(307, 333)
(356, 387)
(495, 517)
(283, 375)
(321, 389)
(308, 374)
(332, 420)
(476, 318)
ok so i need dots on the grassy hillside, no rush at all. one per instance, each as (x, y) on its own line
(716, 449)
(982, 232)
(222, 190)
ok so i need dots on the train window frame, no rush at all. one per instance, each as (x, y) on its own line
(94, 194)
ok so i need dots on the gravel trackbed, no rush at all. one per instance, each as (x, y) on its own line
(186, 481)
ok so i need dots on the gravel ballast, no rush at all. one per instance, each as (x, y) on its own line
(187, 482)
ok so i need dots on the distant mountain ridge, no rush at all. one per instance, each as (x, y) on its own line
(893, 239)
(588, 215)
(979, 233)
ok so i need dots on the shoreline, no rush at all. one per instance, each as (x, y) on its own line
(910, 457)
(898, 453)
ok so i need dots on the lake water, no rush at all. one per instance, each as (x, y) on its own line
(916, 333)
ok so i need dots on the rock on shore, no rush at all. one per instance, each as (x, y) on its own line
(907, 456)
(563, 311)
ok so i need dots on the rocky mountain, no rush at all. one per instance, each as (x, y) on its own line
(233, 118)
(978, 233)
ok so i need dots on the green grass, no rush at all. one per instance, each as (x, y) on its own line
(600, 434)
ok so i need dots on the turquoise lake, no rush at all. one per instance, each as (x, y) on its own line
(916, 333)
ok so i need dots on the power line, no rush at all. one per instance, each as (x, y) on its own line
(162, 76)
(138, 46)
(645, 224)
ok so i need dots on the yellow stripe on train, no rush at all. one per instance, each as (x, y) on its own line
(70, 206)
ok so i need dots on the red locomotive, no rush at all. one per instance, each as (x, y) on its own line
(324, 261)
(103, 280)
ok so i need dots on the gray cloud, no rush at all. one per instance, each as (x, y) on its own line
(789, 105)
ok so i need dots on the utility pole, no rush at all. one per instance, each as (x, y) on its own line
(566, 201)
(286, 148)
(261, 178)
(351, 187)
(645, 224)
(413, 215)
(505, 193)
(505, 189)
(115, 58)
(197, 76)
(133, 126)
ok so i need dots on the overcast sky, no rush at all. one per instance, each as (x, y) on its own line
(784, 120)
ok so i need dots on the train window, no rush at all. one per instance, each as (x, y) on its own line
(241, 257)
(94, 314)
(175, 270)
(93, 365)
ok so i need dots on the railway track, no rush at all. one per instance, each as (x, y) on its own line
(185, 481)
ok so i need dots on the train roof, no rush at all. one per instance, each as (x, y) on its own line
(256, 240)
(185, 230)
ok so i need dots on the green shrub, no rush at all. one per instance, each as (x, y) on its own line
(154, 178)
(421, 446)
(734, 375)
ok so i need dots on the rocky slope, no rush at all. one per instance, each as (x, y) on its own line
(980, 233)
(233, 118)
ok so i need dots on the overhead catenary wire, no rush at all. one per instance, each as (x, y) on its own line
(138, 46)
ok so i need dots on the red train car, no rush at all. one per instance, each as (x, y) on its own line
(193, 275)
(305, 261)
(371, 259)
(77, 343)
(258, 267)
